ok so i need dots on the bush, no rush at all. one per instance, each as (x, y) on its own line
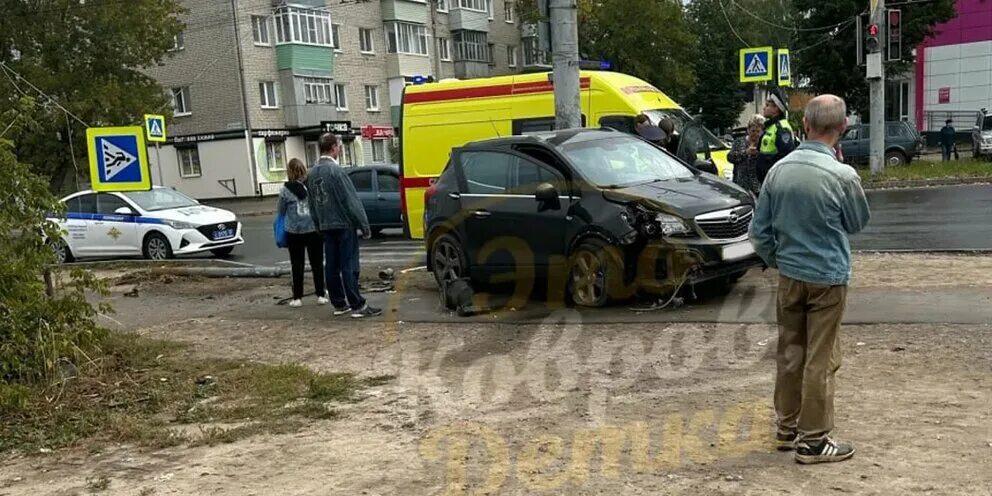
(41, 337)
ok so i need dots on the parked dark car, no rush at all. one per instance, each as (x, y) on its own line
(902, 143)
(378, 187)
(981, 136)
(605, 213)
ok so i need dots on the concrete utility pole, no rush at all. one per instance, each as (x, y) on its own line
(876, 81)
(565, 57)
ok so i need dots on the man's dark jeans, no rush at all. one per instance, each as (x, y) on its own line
(341, 268)
(947, 150)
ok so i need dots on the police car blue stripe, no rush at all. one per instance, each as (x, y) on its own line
(130, 219)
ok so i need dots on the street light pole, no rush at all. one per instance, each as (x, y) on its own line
(565, 59)
(876, 82)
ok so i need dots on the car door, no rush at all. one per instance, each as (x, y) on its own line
(849, 145)
(543, 225)
(80, 212)
(363, 181)
(388, 197)
(485, 181)
(114, 233)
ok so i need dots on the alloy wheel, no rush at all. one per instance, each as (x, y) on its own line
(447, 262)
(157, 249)
(588, 279)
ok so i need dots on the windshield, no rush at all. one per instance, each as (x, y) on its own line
(623, 161)
(160, 199)
(681, 118)
(987, 124)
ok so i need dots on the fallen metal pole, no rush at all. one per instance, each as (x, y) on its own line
(222, 271)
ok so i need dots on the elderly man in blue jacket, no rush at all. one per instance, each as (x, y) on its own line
(810, 203)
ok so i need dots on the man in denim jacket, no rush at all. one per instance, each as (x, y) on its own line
(810, 203)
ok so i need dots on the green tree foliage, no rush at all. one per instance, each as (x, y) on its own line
(38, 335)
(829, 63)
(718, 95)
(88, 56)
(649, 40)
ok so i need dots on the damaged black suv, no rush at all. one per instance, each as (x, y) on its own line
(598, 214)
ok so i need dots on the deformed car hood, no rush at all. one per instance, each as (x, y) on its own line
(686, 197)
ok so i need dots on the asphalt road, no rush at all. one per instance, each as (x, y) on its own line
(945, 218)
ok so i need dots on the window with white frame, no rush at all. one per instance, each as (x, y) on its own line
(508, 11)
(180, 101)
(491, 53)
(336, 37)
(406, 38)
(444, 49)
(378, 151)
(533, 54)
(476, 5)
(371, 97)
(511, 56)
(442, 5)
(471, 46)
(303, 25)
(489, 8)
(178, 42)
(340, 97)
(260, 30)
(275, 155)
(189, 162)
(365, 42)
(318, 90)
(348, 154)
(267, 94)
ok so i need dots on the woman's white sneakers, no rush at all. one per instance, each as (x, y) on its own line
(322, 300)
(296, 303)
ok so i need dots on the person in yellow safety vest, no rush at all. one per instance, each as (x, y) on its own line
(778, 139)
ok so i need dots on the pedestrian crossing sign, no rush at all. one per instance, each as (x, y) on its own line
(784, 71)
(756, 64)
(155, 128)
(118, 159)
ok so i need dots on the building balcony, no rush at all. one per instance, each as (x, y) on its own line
(405, 10)
(401, 64)
(468, 69)
(470, 20)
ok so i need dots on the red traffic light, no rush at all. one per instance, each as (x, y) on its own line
(873, 30)
(895, 16)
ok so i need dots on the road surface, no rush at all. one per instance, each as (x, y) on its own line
(945, 218)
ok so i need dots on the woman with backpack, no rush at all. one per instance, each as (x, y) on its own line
(302, 238)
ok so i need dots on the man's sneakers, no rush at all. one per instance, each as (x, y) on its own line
(366, 311)
(297, 303)
(341, 311)
(785, 440)
(825, 450)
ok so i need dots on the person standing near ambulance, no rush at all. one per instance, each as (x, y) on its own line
(778, 140)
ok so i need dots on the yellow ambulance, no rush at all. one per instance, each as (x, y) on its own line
(437, 117)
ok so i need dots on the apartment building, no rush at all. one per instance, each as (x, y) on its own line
(255, 82)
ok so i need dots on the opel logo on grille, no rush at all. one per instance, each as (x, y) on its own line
(224, 226)
(733, 218)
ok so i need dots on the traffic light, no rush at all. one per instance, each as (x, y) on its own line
(894, 34)
(871, 41)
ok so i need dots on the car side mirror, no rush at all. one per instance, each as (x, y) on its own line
(124, 211)
(547, 196)
(706, 166)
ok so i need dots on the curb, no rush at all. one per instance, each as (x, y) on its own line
(924, 251)
(925, 183)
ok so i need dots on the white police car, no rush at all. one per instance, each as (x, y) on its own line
(156, 224)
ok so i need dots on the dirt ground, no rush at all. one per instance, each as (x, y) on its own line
(562, 407)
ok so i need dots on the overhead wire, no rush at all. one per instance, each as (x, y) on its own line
(732, 28)
(790, 28)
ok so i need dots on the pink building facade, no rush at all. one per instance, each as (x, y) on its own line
(953, 76)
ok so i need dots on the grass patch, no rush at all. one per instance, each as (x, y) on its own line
(158, 394)
(920, 169)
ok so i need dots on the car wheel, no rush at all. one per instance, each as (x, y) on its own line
(222, 252)
(895, 159)
(62, 252)
(448, 260)
(157, 247)
(592, 272)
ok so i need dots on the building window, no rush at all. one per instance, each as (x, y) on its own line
(476, 5)
(180, 101)
(267, 94)
(406, 38)
(444, 49)
(336, 37)
(508, 11)
(442, 5)
(471, 46)
(533, 55)
(372, 98)
(348, 154)
(304, 26)
(365, 40)
(260, 30)
(275, 155)
(491, 53)
(511, 56)
(340, 97)
(489, 8)
(378, 151)
(178, 42)
(317, 90)
(189, 162)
